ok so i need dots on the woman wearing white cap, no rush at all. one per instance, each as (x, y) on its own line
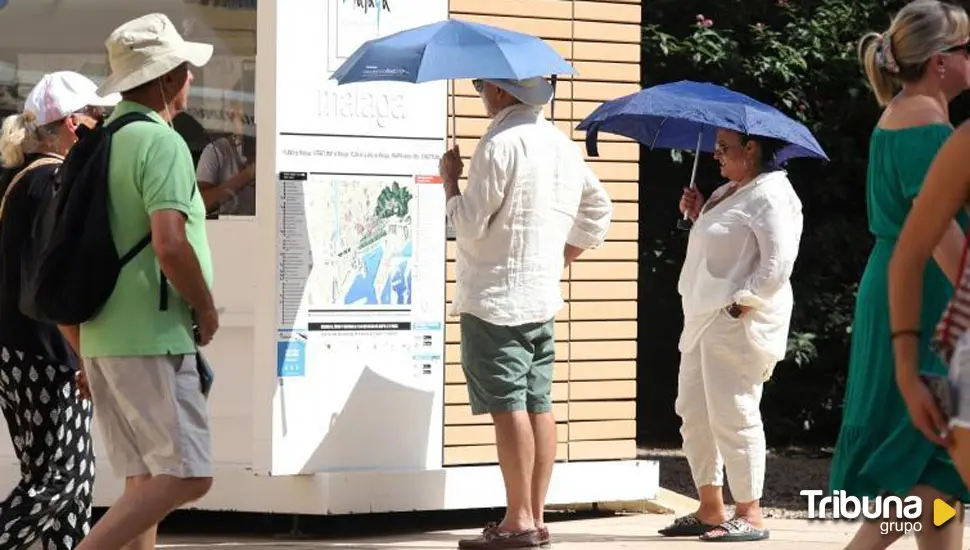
(49, 421)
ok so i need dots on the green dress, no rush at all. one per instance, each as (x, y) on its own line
(879, 450)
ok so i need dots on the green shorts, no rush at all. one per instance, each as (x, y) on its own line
(508, 368)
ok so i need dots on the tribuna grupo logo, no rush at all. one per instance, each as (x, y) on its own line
(897, 514)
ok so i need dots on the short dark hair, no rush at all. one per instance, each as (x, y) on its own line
(769, 147)
(179, 70)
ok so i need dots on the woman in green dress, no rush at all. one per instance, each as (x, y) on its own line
(879, 450)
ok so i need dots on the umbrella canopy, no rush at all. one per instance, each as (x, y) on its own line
(451, 49)
(686, 115)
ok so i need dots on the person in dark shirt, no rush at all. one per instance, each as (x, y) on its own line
(42, 400)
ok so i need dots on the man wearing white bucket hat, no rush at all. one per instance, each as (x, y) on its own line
(48, 419)
(531, 207)
(141, 356)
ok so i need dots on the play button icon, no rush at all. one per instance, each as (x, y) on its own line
(942, 512)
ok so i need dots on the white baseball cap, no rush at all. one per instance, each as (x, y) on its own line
(535, 91)
(61, 93)
(147, 48)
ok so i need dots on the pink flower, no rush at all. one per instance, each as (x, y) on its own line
(707, 23)
(700, 17)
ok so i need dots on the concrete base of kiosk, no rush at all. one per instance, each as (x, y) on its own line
(238, 488)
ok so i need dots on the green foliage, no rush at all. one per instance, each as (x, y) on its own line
(801, 56)
(392, 201)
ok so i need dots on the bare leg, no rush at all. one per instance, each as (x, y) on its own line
(960, 452)
(711, 510)
(871, 536)
(544, 432)
(147, 539)
(930, 537)
(142, 506)
(516, 458)
(750, 511)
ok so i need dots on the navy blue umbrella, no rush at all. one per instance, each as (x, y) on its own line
(686, 115)
(672, 116)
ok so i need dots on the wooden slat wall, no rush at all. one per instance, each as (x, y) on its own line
(594, 391)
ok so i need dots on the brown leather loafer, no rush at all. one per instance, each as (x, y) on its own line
(493, 539)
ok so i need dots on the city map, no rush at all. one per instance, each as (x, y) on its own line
(361, 237)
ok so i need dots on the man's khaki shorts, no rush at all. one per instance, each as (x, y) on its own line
(154, 419)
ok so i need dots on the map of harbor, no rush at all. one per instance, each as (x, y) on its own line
(361, 235)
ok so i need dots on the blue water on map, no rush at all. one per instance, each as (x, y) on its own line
(362, 291)
(397, 288)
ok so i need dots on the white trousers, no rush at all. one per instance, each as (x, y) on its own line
(719, 402)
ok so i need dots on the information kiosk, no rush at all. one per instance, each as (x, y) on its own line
(330, 268)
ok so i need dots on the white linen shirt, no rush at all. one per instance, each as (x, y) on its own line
(743, 251)
(529, 193)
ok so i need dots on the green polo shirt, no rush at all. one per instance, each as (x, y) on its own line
(150, 169)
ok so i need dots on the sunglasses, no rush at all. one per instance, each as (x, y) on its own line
(959, 48)
(95, 112)
(478, 84)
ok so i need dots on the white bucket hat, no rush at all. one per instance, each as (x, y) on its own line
(146, 48)
(61, 93)
(535, 91)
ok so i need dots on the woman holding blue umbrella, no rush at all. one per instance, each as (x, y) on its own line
(737, 301)
(735, 288)
(880, 450)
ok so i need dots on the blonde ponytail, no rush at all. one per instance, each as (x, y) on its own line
(13, 141)
(920, 30)
(882, 83)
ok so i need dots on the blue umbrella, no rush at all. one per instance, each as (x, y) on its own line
(681, 114)
(451, 49)
(686, 115)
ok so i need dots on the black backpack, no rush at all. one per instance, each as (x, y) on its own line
(71, 266)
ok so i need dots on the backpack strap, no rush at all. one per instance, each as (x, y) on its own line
(43, 161)
(127, 119)
(112, 128)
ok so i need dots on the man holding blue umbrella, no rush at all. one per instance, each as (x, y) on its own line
(531, 206)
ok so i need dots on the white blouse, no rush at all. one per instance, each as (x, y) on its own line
(743, 250)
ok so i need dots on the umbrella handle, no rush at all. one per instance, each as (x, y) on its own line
(454, 117)
(553, 99)
(686, 223)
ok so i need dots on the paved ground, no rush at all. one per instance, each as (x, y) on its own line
(625, 531)
(787, 472)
